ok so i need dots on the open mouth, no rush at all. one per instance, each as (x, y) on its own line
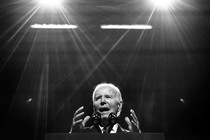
(104, 109)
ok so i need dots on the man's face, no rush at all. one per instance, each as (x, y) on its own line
(105, 102)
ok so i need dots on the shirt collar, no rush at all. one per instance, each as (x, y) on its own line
(114, 128)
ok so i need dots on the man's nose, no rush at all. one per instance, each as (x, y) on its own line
(103, 101)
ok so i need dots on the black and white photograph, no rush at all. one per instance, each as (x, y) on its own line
(104, 69)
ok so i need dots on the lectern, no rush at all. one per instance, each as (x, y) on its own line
(98, 136)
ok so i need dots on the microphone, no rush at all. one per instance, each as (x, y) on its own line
(112, 119)
(96, 118)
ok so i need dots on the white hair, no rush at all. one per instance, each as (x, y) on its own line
(111, 86)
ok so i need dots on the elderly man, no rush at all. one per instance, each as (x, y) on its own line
(107, 106)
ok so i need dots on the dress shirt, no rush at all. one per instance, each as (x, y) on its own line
(114, 129)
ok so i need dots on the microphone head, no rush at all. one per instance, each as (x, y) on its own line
(112, 118)
(96, 118)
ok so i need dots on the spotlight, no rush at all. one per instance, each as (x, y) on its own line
(50, 3)
(163, 4)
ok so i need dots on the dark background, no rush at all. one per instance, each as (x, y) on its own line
(163, 73)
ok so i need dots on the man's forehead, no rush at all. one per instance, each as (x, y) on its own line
(105, 89)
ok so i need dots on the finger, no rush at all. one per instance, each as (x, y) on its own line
(134, 120)
(133, 115)
(78, 121)
(78, 115)
(78, 110)
(127, 120)
(134, 123)
(85, 120)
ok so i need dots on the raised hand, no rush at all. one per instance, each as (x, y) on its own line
(78, 122)
(133, 124)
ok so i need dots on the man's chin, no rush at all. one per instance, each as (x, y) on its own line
(105, 114)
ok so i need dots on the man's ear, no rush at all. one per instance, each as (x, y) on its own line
(94, 109)
(119, 104)
(119, 108)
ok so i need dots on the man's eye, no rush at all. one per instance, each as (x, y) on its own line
(97, 98)
(108, 96)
